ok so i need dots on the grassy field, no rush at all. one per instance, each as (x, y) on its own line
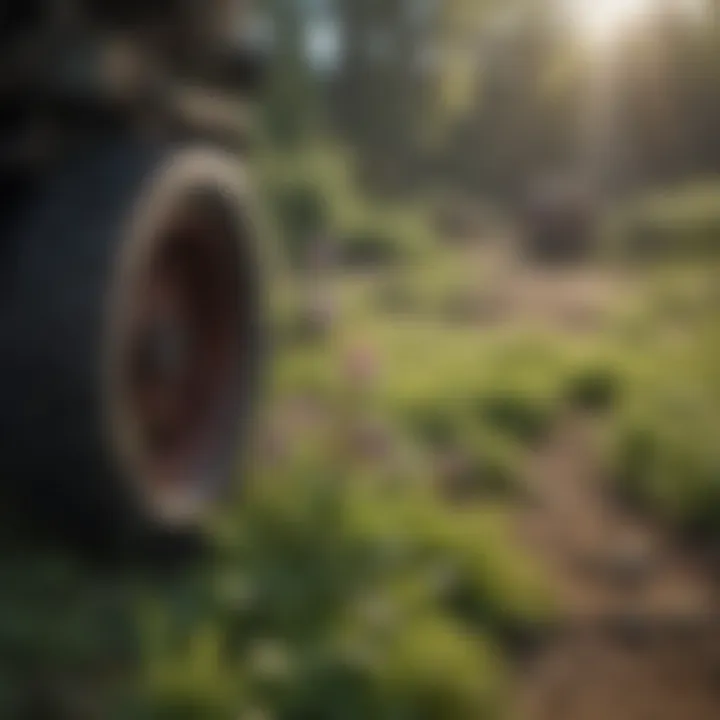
(371, 567)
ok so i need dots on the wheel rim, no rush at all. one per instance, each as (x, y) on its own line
(181, 357)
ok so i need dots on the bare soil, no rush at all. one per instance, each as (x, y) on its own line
(639, 629)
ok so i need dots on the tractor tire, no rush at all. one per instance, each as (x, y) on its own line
(131, 345)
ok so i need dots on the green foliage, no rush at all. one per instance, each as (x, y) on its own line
(509, 384)
(325, 596)
(342, 586)
(331, 592)
(666, 459)
(658, 379)
(385, 237)
(677, 223)
(521, 412)
(302, 210)
(303, 192)
(67, 636)
(481, 459)
(311, 197)
(344, 599)
(521, 394)
(490, 464)
(596, 385)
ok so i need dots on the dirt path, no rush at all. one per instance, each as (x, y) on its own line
(639, 634)
(573, 299)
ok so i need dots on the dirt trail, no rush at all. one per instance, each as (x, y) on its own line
(639, 634)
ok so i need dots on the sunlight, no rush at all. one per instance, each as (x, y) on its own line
(603, 20)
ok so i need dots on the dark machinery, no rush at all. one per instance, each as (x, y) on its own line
(130, 288)
(560, 221)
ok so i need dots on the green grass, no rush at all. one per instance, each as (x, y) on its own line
(326, 596)
(665, 420)
(340, 585)
(369, 570)
(664, 450)
(674, 223)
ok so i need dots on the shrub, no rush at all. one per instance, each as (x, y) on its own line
(515, 412)
(474, 459)
(307, 194)
(595, 385)
(518, 402)
(436, 423)
(665, 460)
(301, 209)
(371, 244)
(383, 237)
(483, 464)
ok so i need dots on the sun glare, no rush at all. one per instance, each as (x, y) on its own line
(602, 20)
